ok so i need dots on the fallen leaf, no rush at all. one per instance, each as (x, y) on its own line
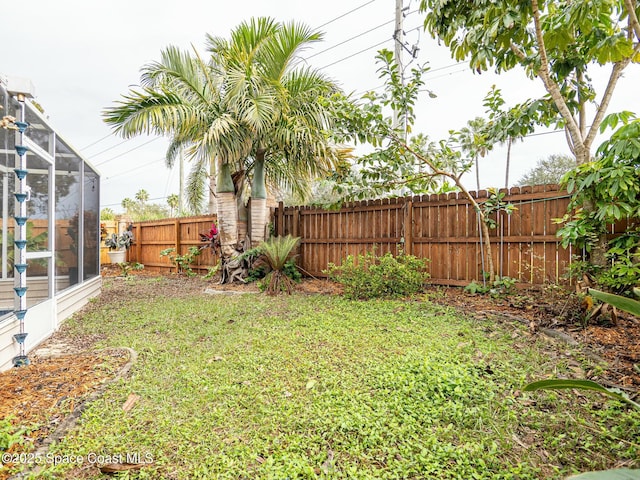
(132, 399)
(120, 467)
(311, 383)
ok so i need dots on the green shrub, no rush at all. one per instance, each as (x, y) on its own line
(500, 286)
(182, 262)
(370, 276)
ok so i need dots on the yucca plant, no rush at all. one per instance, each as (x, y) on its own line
(277, 251)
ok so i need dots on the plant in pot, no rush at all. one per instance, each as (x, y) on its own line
(118, 245)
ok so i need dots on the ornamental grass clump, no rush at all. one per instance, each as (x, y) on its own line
(369, 276)
(277, 253)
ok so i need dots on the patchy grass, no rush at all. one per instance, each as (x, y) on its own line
(248, 386)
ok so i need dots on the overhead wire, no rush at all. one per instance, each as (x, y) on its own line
(363, 50)
(96, 142)
(119, 174)
(345, 14)
(350, 39)
(109, 148)
(128, 151)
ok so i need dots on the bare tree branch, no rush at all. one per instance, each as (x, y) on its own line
(465, 192)
(633, 18)
(516, 50)
(616, 73)
(554, 90)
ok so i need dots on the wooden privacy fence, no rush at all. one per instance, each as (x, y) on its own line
(152, 237)
(440, 228)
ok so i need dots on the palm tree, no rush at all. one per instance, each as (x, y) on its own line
(142, 196)
(246, 114)
(173, 201)
(277, 100)
(473, 141)
(182, 96)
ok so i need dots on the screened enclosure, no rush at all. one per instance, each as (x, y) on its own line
(50, 227)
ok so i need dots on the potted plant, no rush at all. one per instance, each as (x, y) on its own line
(118, 245)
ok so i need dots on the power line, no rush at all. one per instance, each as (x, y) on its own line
(345, 14)
(109, 148)
(349, 39)
(373, 89)
(128, 151)
(354, 37)
(119, 174)
(96, 142)
(363, 50)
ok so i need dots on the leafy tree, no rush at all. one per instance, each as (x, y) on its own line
(142, 196)
(611, 184)
(508, 126)
(473, 140)
(558, 43)
(416, 164)
(139, 210)
(548, 170)
(107, 214)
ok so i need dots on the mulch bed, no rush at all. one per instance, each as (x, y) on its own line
(40, 396)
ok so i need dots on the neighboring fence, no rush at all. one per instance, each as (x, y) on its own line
(152, 237)
(440, 228)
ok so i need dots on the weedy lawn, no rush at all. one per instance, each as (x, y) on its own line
(315, 386)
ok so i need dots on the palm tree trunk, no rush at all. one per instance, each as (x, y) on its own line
(227, 211)
(213, 202)
(242, 219)
(258, 201)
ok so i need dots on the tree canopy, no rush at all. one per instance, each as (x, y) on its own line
(557, 42)
(548, 170)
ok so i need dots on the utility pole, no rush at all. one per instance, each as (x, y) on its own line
(181, 187)
(398, 36)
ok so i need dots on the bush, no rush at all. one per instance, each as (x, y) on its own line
(370, 276)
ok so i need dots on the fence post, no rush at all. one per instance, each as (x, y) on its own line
(280, 219)
(408, 227)
(177, 230)
(138, 243)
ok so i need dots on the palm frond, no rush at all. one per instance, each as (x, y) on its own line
(195, 192)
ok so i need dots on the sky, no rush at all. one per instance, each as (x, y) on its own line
(82, 56)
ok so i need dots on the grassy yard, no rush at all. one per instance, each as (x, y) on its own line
(312, 386)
